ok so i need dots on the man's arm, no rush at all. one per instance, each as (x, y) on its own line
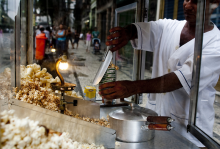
(124, 89)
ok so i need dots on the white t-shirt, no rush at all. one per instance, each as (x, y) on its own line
(163, 37)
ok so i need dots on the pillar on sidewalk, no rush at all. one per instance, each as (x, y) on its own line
(107, 21)
(112, 16)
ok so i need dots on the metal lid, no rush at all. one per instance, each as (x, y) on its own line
(132, 114)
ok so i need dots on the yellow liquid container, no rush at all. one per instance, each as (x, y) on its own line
(90, 93)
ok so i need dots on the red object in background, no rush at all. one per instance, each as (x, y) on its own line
(40, 46)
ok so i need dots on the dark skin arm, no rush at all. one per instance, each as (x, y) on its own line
(60, 36)
(124, 89)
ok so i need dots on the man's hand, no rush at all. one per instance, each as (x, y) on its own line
(120, 36)
(124, 89)
(119, 89)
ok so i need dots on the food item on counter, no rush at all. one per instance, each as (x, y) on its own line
(102, 122)
(27, 134)
(34, 73)
(117, 143)
(32, 93)
(35, 90)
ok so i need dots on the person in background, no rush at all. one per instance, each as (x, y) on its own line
(69, 37)
(54, 38)
(47, 33)
(96, 45)
(81, 36)
(95, 34)
(61, 41)
(37, 32)
(88, 41)
(76, 40)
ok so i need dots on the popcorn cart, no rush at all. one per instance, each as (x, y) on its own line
(40, 109)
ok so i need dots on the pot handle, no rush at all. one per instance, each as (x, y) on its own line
(162, 127)
(160, 119)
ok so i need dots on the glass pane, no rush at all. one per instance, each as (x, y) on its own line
(124, 57)
(8, 11)
(208, 107)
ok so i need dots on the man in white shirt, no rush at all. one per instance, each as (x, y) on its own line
(172, 42)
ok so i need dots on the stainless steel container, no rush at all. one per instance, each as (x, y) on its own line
(128, 124)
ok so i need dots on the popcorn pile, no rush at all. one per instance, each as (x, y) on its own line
(32, 93)
(36, 87)
(102, 122)
(27, 134)
(34, 73)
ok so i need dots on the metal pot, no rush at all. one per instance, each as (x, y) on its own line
(137, 124)
(129, 124)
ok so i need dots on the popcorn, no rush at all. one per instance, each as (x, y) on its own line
(32, 93)
(35, 136)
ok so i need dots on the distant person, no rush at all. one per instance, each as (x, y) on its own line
(47, 33)
(96, 45)
(61, 41)
(54, 38)
(81, 36)
(88, 41)
(69, 37)
(95, 35)
(76, 40)
(37, 32)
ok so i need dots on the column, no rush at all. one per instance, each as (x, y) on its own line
(107, 22)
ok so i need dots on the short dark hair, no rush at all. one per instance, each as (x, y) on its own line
(42, 29)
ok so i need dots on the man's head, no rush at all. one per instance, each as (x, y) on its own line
(95, 28)
(41, 28)
(190, 9)
(61, 26)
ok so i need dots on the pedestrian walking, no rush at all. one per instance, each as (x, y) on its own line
(69, 37)
(61, 41)
(47, 33)
(95, 35)
(76, 40)
(88, 41)
(37, 32)
(81, 36)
